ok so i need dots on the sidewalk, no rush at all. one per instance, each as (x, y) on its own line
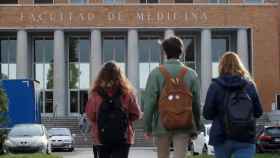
(135, 152)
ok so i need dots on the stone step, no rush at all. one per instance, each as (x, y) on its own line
(82, 140)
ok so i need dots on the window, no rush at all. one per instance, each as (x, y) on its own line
(254, 1)
(278, 101)
(114, 1)
(78, 1)
(8, 57)
(272, 131)
(114, 48)
(8, 2)
(220, 45)
(219, 1)
(149, 1)
(43, 70)
(43, 1)
(189, 56)
(149, 56)
(78, 72)
(183, 1)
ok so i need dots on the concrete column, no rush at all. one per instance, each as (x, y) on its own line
(95, 54)
(242, 46)
(206, 62)
(60, 94)
(133, 60)
(24, 65)
(168, 33)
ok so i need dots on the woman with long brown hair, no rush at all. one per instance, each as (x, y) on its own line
(112, 107)
(233, 88)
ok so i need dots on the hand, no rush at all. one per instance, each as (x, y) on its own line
(147, 136)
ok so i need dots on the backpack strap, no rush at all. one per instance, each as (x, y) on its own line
(165, 73)
(102, 93)
(180, 77)
(117, 93)
(182, 73)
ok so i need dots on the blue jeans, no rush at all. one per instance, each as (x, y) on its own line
(235, 149)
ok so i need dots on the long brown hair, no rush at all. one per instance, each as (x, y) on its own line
(111, 77)
(230, 64)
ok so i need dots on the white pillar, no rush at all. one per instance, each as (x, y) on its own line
(242, 46)
(23, 61)
(206, 62)
(132, 55)
(60, 94)
(95, 54)
(168, 33)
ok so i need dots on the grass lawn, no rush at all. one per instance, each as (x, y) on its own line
(276, 155)
(29, 156)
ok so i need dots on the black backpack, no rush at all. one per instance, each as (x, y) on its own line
(239, 120)
(112, 120)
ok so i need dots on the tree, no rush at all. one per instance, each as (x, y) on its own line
(3, 106)
(73, 76)
(74, 72)
(3, 119)
(50, 77)
(3, 76)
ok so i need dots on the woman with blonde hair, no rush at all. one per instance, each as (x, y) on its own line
(112, 108)
(232, 103)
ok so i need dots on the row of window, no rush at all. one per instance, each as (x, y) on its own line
(123, 1)
(114, 47)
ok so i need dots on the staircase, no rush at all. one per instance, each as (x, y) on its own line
(264, 120)
(85, 140)
(139, 135)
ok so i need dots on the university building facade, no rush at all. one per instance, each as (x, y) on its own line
(63, 43)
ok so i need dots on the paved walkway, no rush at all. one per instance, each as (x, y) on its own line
(87, 153)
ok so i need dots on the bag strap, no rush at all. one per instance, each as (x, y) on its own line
(102, 93)
(179, 77)
(165, 73)
(223, 113)
(182, 73)
(117, 93)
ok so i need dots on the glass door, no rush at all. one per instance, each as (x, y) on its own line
(78, 73)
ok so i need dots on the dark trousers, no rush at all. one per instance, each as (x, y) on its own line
(95, 151)
(115, 151)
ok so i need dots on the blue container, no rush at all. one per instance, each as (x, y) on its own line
(23, 101)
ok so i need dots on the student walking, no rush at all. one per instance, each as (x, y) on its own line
(232, 103)
(172, 102)
(84, 124)
(112, 108)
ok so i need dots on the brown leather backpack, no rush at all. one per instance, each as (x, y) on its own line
(175, 102)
